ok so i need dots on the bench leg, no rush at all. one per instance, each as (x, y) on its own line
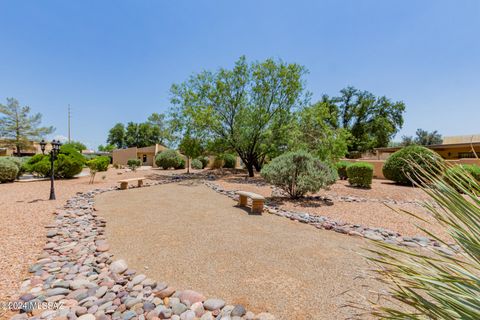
(140, 183)
(242, 201)
(257, 206)
(123, 185)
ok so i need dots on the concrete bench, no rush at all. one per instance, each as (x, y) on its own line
(257, 200)
(124, 182)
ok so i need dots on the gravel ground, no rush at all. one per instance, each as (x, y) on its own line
(25, 210)
(193, 238)
(371, 213)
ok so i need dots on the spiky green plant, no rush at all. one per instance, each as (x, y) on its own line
(435, 284)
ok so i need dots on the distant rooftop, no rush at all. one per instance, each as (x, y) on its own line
(461, 139)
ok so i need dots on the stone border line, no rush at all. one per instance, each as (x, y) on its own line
(76, 277)
(322, 222)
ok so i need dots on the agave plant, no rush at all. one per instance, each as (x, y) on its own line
(436, 284)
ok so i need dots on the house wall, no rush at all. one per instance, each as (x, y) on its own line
(121, 156)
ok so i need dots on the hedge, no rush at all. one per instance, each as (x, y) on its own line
(360, 174)
(8, 170)
(341, 167)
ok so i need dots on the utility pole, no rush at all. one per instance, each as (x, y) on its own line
(68, 123)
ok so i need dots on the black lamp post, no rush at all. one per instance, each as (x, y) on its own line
(53, 155)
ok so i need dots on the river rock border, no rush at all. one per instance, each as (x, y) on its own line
(322, 222)
(76, 277)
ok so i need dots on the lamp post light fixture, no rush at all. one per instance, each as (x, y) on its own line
(53, 156)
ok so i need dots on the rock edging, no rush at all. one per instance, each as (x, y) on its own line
(78, 277)
(322, 222)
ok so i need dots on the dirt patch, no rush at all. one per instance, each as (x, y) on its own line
(193, 238)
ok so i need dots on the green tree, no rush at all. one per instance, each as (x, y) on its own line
(141, 134)
(191, 146)
(159, 121)
(425, 138)
(106, 148)
(372, 121)
(116, 136)
(18, 126)
(317, 132)
(247, 109)
(76, 145)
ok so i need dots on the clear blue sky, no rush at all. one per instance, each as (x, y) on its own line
(114, 61)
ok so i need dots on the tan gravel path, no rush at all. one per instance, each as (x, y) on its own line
(25, 210)
(193, 238)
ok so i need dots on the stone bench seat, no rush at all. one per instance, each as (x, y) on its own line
(124, 182)
(257, 200)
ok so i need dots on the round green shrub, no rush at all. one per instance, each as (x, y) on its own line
(360, 174)
(341, 167)
(133, 164)
(229, 160)
(169, 159)
(298, 173)
(69, 162)
(19, 162)
(197, 164)
(204, 161)
(99, 163)
(398, 167)
(8, 170)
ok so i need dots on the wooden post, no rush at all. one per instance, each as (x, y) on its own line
(257, 206)
(140, 182)
(123, 185)
(242, 201)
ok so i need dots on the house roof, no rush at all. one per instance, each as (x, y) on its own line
(434, 146)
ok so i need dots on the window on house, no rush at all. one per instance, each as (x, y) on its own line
(144, 158)
(466, 155)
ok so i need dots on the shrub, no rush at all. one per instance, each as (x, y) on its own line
(360, 174)
(298, 173)
(133, 164)
(204, 160)
(229, 160)
(181, 163)
(8, 170)
(399, 168)
(169, 159)
(217, 162)
(99, 163)
(197, 164)
(19, 162)
(342, 169)
(69, 163)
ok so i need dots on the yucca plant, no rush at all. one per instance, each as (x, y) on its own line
(434, 284)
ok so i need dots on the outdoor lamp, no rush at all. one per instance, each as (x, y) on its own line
(42, 146)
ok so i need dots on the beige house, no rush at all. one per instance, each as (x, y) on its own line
(146, 155)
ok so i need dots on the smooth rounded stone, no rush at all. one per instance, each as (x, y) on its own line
(198, 308)
(207, 316)
(187, 315)
(101, 291)
(27, 297)
(80, 283)
(148, 306)
(56, 292)
(138, 279)
(102, 245)
(249, 315)
(161, 286)
(165, 313)
(213, 304)
(149, 283)
(55, 298)
(20, 316)
(178, 308)
(238, 311)
(80, 310)
(167, 292)
(190, 296)
(61, 284)
(175, 317)
(132, 301)
(86, 317)
(157, 301)
(109, 296)
(118, 266)
(372, 236)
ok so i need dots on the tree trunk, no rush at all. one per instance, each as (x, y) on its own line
(188, 164)
(18, 150)
(250, 169)
(257, 165)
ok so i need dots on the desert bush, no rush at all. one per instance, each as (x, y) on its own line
(69, 162)
(229, 160)
(97, 164)
(360, 174)
(197, 164)
(169, 159)
(341, 167)
(298, 173)
(181, 163)
(133, 164)
(217, 162)
(436, 284)
(8, 170)
(398, 167)
(19, 162)
(204, 160)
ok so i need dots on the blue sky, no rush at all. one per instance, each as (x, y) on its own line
(114, 61)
